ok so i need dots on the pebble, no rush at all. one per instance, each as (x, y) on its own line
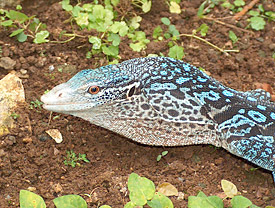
(7, 63)
(27, 140)
(272, 46)
(2, 152)
(10, 140)
(32, 189)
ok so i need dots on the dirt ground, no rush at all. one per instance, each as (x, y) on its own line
(38, 163)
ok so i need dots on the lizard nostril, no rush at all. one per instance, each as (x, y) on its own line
(60, 94)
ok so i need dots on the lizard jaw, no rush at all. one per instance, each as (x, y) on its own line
(60, 99)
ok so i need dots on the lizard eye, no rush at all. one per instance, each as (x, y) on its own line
(94, 90)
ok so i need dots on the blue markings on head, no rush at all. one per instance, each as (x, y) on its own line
(241, 111)
(178, 70)
(201, 79)
(164, 65)
(181, 80)
(163, 73)
(187, 67)
(261, 107)
(227, 93)
(211, 95)
(257, 116)
(163, 86)
(252, 99)
(272, 115)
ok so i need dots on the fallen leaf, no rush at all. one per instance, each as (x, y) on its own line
(229, 188)
(167, 189)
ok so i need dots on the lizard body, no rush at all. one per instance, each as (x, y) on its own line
(167, 102)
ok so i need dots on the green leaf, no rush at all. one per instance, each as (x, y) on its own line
(159, 158)
(119, 27)
(95, 41)
(203, 29)
(233, 37)
(201, 9)
(105, 206)
(16, 32)
(130, 205)
(70, 201)
(157, 32)
(134, 22)
(173, 30)
(146, 6)
(159, 200)
(165, 21)
(202, 201)
(240, 202)
(139, 41)
(18, 7)
(114, 38)
(17, 16)
(164, 153)
(254, 13)
(257, 23)
(176, 52)
(6, 23)
(110, 51)
(239, 3)
(82, 19)
(41, 36)
(30, 200)
(174, 8)
(141, 189)
(21, 37)
(261, 8)
(66, 5)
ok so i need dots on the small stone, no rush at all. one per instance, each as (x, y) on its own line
(27, 140)
(2, 153)
(32, 189)
(55, 151)
(7, 63)
(219, 161)
(55, 134)
(57, 188)
(23, 71)
(272, 46)
(239, 58)
(180, 196)
(10, 140)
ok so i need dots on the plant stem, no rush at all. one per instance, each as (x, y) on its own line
(211, 44)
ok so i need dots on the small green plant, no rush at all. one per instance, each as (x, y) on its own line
(36, 104)
(164, 153)
(29, 199)
(233, 37)
(145, 5)
(109, 29)
(14, 115)
(24, 26)
(172, 34)
(174, 6)
(258, 17)
(72, 159)
(203, 29)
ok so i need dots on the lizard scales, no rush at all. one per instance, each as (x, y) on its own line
(167, 102)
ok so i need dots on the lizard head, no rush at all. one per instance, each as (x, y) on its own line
(89, 90)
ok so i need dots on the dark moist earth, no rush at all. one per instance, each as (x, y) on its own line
(30, 160)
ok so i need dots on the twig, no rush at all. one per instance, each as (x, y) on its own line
(245, 9)
(228, 25)
(211, 44)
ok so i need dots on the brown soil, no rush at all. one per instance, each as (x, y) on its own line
(39, 163)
